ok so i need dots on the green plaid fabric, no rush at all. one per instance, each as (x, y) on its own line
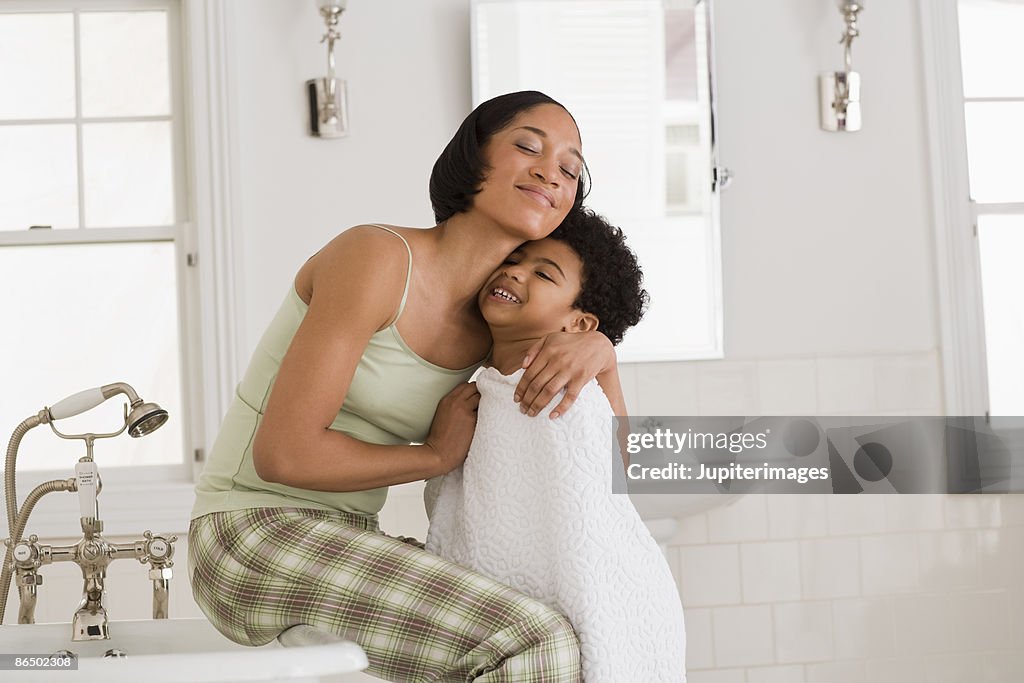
(259, 571)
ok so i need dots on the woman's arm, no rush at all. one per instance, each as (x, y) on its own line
(568, 360)
(358, 281)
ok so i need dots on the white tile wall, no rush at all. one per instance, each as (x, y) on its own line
(743, 636)
(709, 575)
(727, 388)
(947, 559)
(691, 530)
(998, 568)
(909, 382)
(836, 672)
(981, 621)
(700, 641)
(743, 520)
(846, 386)
(895, 670)
(973, 511)
(796, 516)
(1004, 667)
(770, 571)
(863, 514)
(717, 676)
(889, 564)
(922, 624)
(628, 380)
(787, 387)
(892, 589)
(863, 628)
(953, 668)
(668, 389)
(914, 513)
(830, 568)
(776, 674)
(803, 631)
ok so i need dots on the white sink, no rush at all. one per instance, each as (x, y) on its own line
(654, 506)
(180, 651)
(661, 512)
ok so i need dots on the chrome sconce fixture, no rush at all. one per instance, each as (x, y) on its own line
(328, 105)
(840, 90)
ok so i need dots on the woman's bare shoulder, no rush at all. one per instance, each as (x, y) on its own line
(349, 254)
(370, 240)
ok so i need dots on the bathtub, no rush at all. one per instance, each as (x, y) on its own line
(184, 651)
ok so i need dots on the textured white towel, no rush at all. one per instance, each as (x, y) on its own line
(532, 507)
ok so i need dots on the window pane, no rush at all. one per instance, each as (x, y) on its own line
(995, 150)
(128, 174)
(1001, 244)
(94, 314)
(38, 177)
(991, 51)
(37, 66)
(124, 64)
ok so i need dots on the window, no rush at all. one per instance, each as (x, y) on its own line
(993, 101)
(973, 97)
(638, 82)
(94, 218)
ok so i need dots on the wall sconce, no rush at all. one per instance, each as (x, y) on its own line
(328, 103)
(840, 90)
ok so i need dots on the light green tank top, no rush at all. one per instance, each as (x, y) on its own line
(392, 400)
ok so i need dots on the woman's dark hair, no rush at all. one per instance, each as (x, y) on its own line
(612, 286)
(460, 170)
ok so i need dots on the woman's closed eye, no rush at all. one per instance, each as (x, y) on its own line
(569, 173)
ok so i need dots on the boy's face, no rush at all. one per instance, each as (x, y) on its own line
(532, 292)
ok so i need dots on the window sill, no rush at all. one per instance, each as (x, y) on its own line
(162, 508)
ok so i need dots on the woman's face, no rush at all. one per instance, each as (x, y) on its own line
(535, 163)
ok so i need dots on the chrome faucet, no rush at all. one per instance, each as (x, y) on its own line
(92, 553)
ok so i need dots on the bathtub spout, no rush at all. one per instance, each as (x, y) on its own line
(90, 622)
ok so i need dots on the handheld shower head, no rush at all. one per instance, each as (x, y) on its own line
(145, 418)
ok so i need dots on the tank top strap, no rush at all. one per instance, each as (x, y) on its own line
(408, 275)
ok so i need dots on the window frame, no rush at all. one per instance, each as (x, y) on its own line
(958, 263)
(160, 497)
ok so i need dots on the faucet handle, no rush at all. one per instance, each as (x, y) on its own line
(27, 555)
(158, 548)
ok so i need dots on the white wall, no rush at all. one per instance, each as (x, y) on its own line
(407, 67)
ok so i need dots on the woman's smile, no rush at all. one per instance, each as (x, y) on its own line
(538, 194)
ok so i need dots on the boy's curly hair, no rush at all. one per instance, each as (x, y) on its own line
(612, 280)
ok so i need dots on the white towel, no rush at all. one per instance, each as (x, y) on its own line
(532, 507)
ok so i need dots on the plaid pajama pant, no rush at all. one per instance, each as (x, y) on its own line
(259, 571)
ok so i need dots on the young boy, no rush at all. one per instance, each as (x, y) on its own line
(532, 504)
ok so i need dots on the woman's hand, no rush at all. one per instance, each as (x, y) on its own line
(453, 427)
(562, 360)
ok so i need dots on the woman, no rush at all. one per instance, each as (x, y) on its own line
(349, 373)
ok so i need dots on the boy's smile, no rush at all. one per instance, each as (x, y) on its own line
(532, 293)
